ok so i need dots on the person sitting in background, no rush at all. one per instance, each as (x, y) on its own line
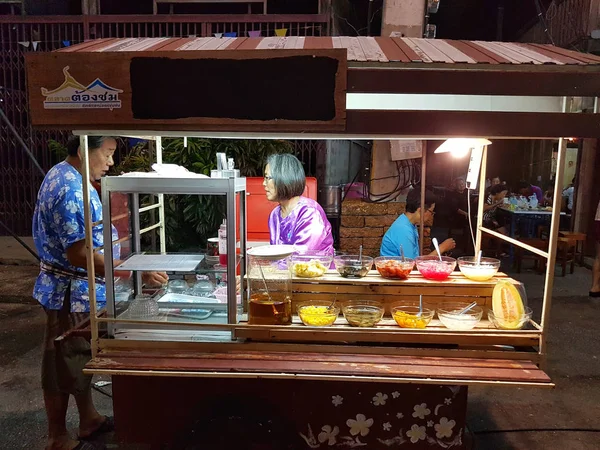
(404, 232)
(494, 181)
(460, 198)
(548, 195)
(568, 193)
(527, 190)
(492, 203)
(297, 220)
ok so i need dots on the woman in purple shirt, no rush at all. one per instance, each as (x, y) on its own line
(298, 220)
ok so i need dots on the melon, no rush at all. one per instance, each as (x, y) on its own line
(507, 305)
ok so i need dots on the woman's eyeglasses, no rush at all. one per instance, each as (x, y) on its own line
(431, 211)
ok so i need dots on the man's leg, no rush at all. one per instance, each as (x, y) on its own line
(89, 418)
(55, 401)
(56, 411)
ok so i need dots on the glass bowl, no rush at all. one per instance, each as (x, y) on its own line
(393, 267)
(143, 307)
(318, 313)
(508, 324)
(448, 315)
(433, 269)
(408, 316)
(310, 265)
(177, 287)
(478, 272)
(350, 266)
(363, 313)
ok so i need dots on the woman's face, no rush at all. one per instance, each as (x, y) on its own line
(101, 159)
(269, 185)
(495, 181)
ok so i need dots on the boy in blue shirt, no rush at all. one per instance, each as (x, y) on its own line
(404, 229)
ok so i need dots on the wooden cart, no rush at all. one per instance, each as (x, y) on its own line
(298, 387)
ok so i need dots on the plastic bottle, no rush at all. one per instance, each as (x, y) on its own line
(223, 243)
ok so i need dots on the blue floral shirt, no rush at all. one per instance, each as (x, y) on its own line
(58, 222)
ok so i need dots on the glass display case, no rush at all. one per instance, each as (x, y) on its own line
(201, 291)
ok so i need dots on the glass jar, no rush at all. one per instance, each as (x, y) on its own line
(270, 285)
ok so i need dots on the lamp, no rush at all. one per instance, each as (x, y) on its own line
(460, 147)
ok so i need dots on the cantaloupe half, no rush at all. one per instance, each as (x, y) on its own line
(507, 305)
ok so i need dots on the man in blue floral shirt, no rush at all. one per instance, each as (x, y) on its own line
(62, 287)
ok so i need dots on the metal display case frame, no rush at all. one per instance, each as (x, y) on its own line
(160, 185)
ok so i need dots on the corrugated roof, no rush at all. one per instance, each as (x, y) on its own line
(363, 49)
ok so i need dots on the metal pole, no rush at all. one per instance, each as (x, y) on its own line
(108, 256)
(22, 142)
(89, 243)
(554, 226)
(423, 188)
(481, 200)
(161, 201)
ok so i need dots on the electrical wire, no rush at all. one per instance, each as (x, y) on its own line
(542, 20)
(539, 430)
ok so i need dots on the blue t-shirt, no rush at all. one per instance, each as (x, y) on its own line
(402, 232)
(58, 222)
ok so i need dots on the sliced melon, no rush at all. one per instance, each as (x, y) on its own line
(507, 305)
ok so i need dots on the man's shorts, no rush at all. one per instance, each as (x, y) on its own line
(61, 369)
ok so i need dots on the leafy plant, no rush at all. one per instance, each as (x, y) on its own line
(191, 219)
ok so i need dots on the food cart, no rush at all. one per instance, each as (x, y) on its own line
(220, 381)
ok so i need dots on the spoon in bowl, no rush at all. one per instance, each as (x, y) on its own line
(437, 248)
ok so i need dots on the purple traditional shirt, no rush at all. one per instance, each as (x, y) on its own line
(306, 227)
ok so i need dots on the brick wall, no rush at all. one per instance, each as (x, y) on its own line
(365, 224)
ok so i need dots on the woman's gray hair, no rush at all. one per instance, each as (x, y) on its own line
(288, 175)
(94, 142)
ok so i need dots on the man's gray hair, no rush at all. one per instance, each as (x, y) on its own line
(288, 175)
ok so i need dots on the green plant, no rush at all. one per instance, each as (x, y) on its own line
(191, 219)
(58, 151)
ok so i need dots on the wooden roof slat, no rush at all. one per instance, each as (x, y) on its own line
(226, 43)
(583, 57)
(249, 44)
(490, 54)
(473, 53)
(291, 42)
(589, 56)
(236, 43)
(407, 49)
(167, 43)
(550, 54)
(529, 52)
(392, 52)
(300, 42)
(452, 52)
(518, 59)
(214, 44)
(430, 50)
(144, 44)
(355, 51)
(119, 44)
(527, 57)
(85, 45)
(318, 42)
(371, 49)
